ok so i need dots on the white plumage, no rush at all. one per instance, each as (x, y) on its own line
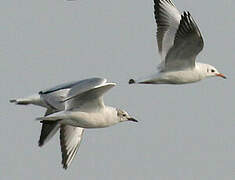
(179, 42)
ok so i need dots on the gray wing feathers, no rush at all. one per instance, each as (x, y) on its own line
(81, 83)
(50, 111)
(92, 98)
(188, 43)
(59, 87)
(70, 139)
(88, 92)
(55, 96)
(189, 35)
(85, 86)
(167, 18)
(47, 132)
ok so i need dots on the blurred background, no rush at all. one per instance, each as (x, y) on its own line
(184, 132)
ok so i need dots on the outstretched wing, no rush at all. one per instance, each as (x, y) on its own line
(89, 96)
(168, 19)
(55, 96)
(187, 45)
(48, 130)
(59, 87)
(179, 38)
(70, 139)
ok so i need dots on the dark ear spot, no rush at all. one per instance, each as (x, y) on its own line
(207, 70)
(118, 112)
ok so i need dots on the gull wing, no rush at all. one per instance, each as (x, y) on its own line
(168, 19)
(84, 86)
(70, 139)
(187, 45)
(55, 96)
(54, 99)
(88, 97)
(59, 87)
(48, 130)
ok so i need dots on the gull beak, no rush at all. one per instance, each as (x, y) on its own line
(221, 75)
(132, 119)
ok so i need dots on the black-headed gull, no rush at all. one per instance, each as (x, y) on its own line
(83, 107)
(179, 42)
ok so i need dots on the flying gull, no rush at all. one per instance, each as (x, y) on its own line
(179, 42)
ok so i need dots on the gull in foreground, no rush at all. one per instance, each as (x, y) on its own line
(179, 42)
(82, 107)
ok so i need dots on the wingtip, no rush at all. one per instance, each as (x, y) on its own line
(65, 167)
(64, 164)
(131, 81)
(40, 144)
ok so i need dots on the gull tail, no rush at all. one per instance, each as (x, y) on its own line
(154, 78)
(131, 81)
(21, 101)
(34, 99)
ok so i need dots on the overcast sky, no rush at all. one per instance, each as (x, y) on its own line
(184, 132)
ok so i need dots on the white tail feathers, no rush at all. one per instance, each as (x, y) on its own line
(12, 100)
(33, 99)
(131, 81)
(21, 101)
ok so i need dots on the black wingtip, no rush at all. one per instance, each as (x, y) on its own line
(40, 143)
(65, 167)
(131, 81)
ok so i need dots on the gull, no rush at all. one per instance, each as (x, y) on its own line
(53, 99)
(179, 42)
(83, 108)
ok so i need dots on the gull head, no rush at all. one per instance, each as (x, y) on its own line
(124, 116)
(213, 72)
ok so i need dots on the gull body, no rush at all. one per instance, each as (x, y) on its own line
(100, 119)
(71, 107)
(179, 42)
(177, 77)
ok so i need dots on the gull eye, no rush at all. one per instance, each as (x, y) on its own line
(124, 115)
(212, 70)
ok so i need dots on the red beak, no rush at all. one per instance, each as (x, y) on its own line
(221, 75)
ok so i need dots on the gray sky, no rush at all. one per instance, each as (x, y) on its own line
(184, 132)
